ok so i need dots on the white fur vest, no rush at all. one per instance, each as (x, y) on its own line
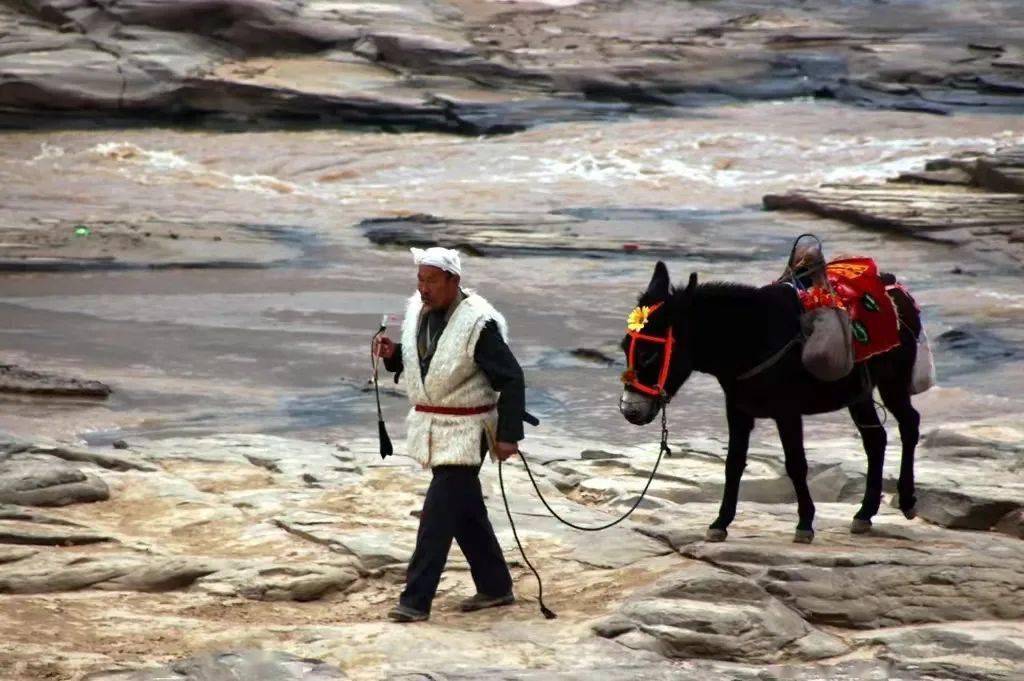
(453, 380)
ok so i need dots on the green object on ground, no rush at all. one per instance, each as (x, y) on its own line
(82, 230)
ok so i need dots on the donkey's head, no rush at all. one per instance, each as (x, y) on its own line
(658, 356)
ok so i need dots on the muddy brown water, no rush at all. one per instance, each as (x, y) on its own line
(282, 346)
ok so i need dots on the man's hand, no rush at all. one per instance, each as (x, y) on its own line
(504, 450)
(383, 347)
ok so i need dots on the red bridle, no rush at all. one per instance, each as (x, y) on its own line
(629, 377)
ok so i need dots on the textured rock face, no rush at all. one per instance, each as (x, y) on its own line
(976, 200)
(227, 542)
(469, 66)
(35, 480)
(253, 665)
(706, 612)
(15, 379)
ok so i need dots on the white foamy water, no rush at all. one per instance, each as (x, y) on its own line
(167, 166)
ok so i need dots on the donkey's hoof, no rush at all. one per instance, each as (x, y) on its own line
(715, 535)
(803, 536)
(858, 526)
(910, 513)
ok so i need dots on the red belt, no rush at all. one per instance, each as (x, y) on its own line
(454, 411)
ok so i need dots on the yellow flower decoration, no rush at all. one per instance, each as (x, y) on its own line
(637, 319)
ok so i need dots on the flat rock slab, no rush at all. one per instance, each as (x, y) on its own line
(896, 575)
(554, 234)
(373, 549)
(984, 212)
(976, 650)
(15, 379)
(279, 582)
(250, 665)
(51, 572)
(311, 463)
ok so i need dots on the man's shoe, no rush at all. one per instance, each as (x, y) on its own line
(481, 601)
(403, 613)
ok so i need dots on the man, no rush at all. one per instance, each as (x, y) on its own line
(466, 388)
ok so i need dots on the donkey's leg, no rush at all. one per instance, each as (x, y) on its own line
(740, 425)
(791, 432)
(896, 399)
(873, 436)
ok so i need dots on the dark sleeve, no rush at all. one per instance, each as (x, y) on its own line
(395, 364)
(496, 360)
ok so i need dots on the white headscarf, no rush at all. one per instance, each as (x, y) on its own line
(442, 258)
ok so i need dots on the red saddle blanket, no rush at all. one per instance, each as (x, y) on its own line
(873, 319)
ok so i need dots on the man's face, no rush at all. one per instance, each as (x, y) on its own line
(437, 288)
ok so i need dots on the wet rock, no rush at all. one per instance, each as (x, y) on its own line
(251, 665)
(37, 480)
(982, 216)
(710, 613)
(279, 582)
(15, 379)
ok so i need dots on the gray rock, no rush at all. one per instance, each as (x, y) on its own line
(981, 219)
(312, 463)
(1012, 524)
(981, 651)
(279, 582)
(55, 572)
(897, 575)
(37, 480)
(15, 379)
(12, 555)
(706, 612)
(480, 71)
(960, 510)
(250, 665)
(19, 532)
(102, 459)
(156, 575)
(373, 549)
(47, 573)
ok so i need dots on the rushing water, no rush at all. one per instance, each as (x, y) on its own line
(285, 348)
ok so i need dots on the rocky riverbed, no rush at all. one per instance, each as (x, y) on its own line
(206, 208)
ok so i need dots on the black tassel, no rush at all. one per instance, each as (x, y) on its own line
(385, 441)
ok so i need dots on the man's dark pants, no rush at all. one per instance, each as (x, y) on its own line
(454, 509)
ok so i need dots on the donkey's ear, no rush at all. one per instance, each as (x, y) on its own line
(686, 295)
(691, 285)
(659, 287)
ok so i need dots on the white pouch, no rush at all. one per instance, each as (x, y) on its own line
(923, 375)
